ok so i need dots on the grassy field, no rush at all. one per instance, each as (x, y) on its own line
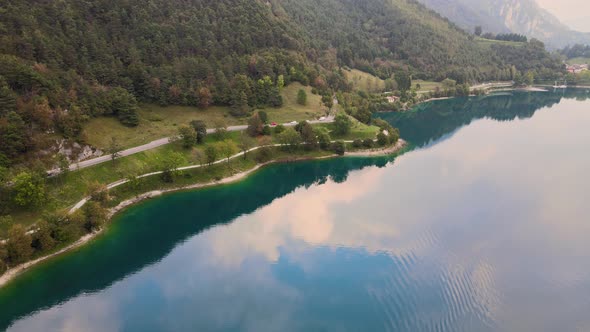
(364, 81)
(426, 85)
(154, 122)
(359, 130)
(291, 110)
(157, 122)
(489, 42)
(578, 61)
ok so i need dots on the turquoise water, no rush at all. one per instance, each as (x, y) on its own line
(483, 226)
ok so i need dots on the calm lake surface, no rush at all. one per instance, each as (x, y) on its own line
(484, 225)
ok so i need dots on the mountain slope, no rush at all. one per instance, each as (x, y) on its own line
(63, 62)
(517, 16)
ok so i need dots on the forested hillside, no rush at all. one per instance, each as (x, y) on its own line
(63, 62)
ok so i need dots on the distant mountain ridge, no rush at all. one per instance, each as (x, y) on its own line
(517, 16)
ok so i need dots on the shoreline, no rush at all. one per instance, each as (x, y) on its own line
(14, 272)
(533, 88)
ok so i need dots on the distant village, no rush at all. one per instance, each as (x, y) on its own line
(576, 69)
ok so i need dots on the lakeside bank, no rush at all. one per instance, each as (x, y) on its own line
(14, 272)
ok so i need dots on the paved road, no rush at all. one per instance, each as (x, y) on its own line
(158, 143)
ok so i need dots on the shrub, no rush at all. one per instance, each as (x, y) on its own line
(342, 124)
(18, 246)
(357, 143)
(382, 139)
(323, 137)
(279, 129)
(301, 97)
(339, 148)
(263, 116)
(368, 143)
(263, 154)
(98, 192)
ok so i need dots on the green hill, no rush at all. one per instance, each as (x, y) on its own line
(63, 63)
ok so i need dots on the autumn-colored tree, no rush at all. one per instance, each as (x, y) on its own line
(18, 245)
(205, 97)
(255, 125)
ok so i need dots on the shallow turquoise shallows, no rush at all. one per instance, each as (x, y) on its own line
(483, 226)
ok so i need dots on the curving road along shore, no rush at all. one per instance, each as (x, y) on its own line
(15, 271)
(158, 143)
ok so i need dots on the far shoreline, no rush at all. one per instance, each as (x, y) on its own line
(14, 272)
(532, 88)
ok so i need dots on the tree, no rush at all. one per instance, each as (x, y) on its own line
(280, 82)
(404, 81)
(42, 239)
(7, 99)
(263, 116)
(63, 163)
(339, 148)
(383, 125)
(275, 99)
(264, 152)
(289, 138)
(255, 125)
(98, 192)
(29, 189)
(13, 135)
(65, 227)
(227, 148)
(220, 130)
(301, 97)
(323, 137)
(529, 78)
(246, 143)
(393, 136)
(342, 124)
(18, 245)
(279, 129)
(188, 136)
(114, 149)
(205, 97)
(124, 106)
(308, 136)
(95, 216)
(239, 105)
(133, 180)
(211, 154)
(170, 166)
(382, 139)
(478, 31)
(201, 130)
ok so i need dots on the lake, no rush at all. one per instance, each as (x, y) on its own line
(482, 226)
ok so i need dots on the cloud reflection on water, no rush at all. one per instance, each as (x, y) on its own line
(484, 230)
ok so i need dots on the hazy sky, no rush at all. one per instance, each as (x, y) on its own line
(574, 13)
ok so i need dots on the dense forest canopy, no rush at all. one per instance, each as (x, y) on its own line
(576, 51)
(64, 62)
